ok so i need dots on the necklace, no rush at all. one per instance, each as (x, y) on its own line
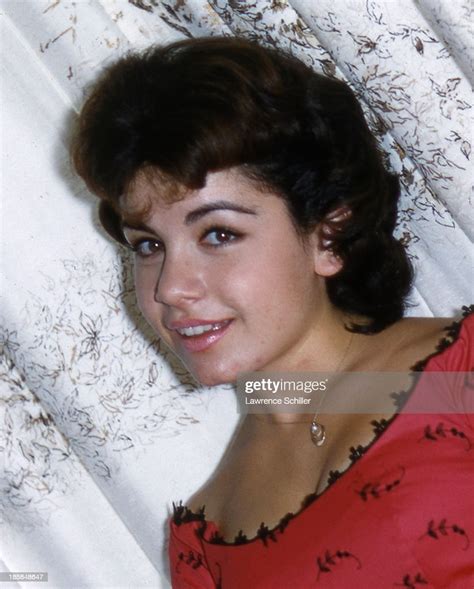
(317, 430)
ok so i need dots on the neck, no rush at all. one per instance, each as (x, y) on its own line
(325, 347)
(329, 347)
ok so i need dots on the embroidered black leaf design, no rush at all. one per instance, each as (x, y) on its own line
(191, 559)
(442, 529)
(431, 531)
(410, 583)
(322, 567)
(441, 431)
(365, 491)
(330, 560)
(197, 562)
(378, 489)
(428, 433)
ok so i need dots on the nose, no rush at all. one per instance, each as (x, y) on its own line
(179, 281)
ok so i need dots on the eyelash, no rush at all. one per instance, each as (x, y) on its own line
(232, 235)
(136, 248)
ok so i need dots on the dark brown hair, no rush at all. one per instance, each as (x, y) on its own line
(208, 104)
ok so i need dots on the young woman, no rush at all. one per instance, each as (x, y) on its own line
(261, 217)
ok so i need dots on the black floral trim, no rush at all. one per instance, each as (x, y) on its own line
(216, 538)
(379, 426)
(264, 533)
(357, 453)
(333, 476)
(399, 399)
(182, 514)
(285, 520)
(241, 538)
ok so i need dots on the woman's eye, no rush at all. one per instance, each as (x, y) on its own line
(216, 237)
(147, 247)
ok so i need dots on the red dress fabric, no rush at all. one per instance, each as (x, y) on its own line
(402, 515)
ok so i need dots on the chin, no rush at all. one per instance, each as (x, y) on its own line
(214, 376)
(213, 380)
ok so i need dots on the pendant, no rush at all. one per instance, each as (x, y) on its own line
(318, 433)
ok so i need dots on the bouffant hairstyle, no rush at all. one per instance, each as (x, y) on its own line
(203, 105)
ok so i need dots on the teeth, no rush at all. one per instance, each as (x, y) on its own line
(188, 331)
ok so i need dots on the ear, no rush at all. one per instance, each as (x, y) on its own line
(326, 262)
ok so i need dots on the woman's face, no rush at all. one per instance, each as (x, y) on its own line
(224, 279)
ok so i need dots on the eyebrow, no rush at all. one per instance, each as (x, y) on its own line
(218, 205)
(196, 214)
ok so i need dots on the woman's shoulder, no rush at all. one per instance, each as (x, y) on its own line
(415, 341)
(455, 349)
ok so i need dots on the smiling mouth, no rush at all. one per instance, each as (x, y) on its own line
(201, 337)
(200, 329)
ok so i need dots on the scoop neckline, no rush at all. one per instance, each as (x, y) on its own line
(183, 514)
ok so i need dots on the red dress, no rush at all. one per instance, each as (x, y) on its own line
(402, 515)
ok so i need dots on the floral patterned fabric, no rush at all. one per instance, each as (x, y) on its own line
(101, 428)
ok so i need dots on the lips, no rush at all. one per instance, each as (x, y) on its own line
(197, 335)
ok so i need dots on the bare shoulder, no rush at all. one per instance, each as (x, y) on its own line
(425, 326)
(197, 501)
(415, 338)
(212, 494)
(209, 495)
(425, 329)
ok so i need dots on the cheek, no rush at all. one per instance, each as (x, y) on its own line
(269, 296)
(145, 288)
(287, 277)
